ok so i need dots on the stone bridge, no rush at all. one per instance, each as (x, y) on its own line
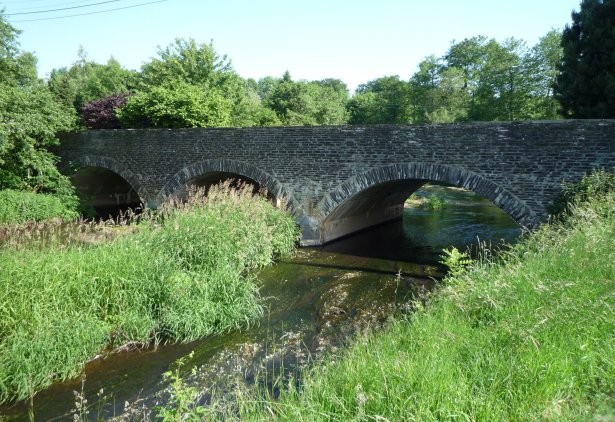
(340, 179)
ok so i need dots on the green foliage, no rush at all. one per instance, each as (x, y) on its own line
(438, 94)
(544, 59)
(19, 207)
(181, 276)
(593, 187)
(478, 79)
(455, 261)
(87, 81)
(29, 121)
(30, 118)
(585, 87)
(383, 100)
(176, 106)
(528, 338)
(248, 108)
(434, 202)
(190, 85)
(308, 103)
(16, 67)
(182, 404)
(189, 62)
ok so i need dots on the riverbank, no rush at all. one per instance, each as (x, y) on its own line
(180, 275)
(529, 337)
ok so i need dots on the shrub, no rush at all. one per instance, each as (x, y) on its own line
(434, 202)
(176, 106)
(100, 114)
(594, 186)
(20, 206)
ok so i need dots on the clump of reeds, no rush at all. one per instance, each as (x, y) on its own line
(179, 275)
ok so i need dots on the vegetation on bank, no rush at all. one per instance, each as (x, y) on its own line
(183, 274)
(529, 337)
(17, 207)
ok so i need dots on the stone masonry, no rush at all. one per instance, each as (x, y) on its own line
(340, 179)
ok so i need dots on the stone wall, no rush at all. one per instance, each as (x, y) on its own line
(320, 170)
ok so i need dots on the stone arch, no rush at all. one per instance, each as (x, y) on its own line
(114, 166)
(242, 169)
(408, 177)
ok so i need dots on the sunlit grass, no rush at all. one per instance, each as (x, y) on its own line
(530, 337)
(179, 275)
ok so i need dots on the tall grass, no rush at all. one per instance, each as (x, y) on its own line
(182, 274)
(528, 338)
(22, 206)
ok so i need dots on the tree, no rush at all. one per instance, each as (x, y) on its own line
(298, 103)
(505, 81)
(176, 105)
(86, 81)
(30, 118)
(190, 85)
(101, 114)
(437, 93)
(331, 100)
(16, 66)
(585, 87)
(544, 60)
(187, 61)
(383, 100)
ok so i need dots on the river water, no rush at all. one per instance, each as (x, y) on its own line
(315, 302)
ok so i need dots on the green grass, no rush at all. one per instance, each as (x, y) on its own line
(21, 206)
(531, 337)
(181, 275)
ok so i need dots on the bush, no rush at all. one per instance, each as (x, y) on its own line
(100, 114)
(19, 207)
(594, 186)
(176, 106)
(434, 202)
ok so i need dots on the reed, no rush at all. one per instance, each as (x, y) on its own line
(176, 276)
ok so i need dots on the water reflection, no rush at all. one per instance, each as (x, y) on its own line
(466, 220)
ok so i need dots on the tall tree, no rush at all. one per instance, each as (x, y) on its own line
(30, 117)
(586, 86)
(437, 93)
(298, 103)
(544, 60)
(383, 100)
(16, 66)
(87, 81)
(190, 84)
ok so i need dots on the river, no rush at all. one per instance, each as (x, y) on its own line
(315, 302)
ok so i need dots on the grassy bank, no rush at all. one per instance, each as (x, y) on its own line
(20, 206)
(180, 276)
(529, 338)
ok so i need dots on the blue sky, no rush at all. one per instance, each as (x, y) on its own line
(355, 41)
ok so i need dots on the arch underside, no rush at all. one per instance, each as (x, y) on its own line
(210, 172)
(106, 186)
(378, 196)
